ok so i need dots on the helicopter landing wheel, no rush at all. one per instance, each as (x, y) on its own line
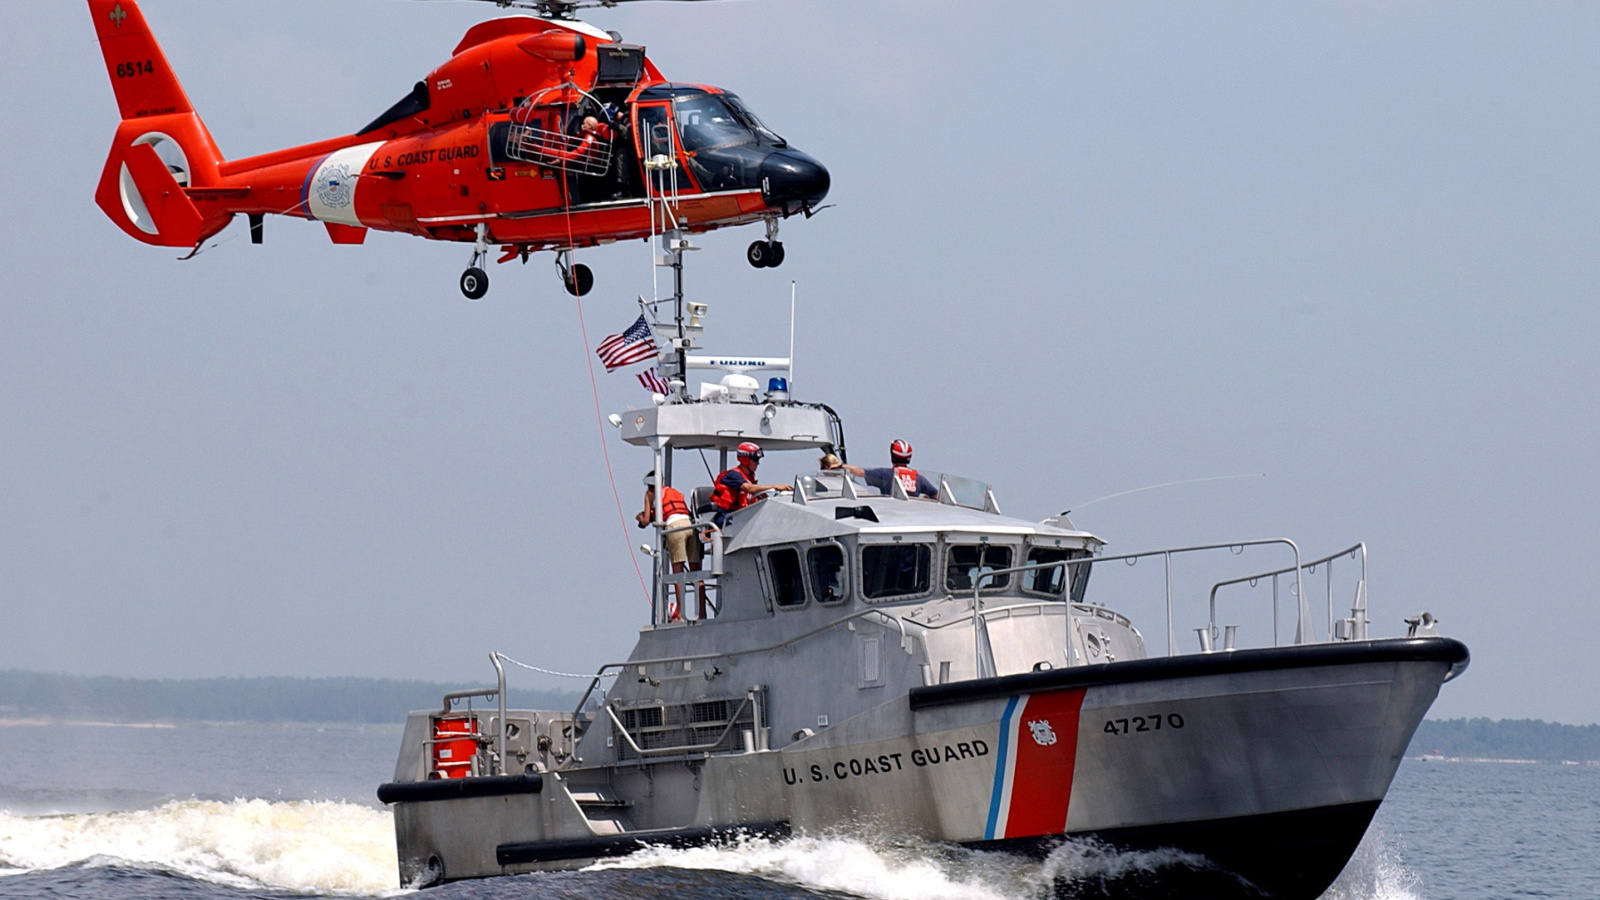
(474, 283)
(578, 280)
(764, 254)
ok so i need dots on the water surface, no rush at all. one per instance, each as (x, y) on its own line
(267, 811)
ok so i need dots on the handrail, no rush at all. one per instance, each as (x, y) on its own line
(1360, 602)
(462, 695)
(962, 617)
(601, 672)
(1303, 631)
(690, 748)
(499, 693)
(500, 730)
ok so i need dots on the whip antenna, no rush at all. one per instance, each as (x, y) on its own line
(1152, 487)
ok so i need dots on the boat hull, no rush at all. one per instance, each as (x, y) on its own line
(1268, 763)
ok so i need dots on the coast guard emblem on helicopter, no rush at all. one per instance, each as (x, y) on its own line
(1042, 735)
(333, 188)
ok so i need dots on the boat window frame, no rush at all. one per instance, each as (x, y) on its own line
(951, 540)
(845, 581)
(864, 542)
(772, 576)
(1040, 543)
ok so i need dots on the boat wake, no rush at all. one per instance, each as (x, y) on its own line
(320, 847)
(332, 848)
(917, 870)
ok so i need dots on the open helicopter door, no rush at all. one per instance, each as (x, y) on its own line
(660, 152)
(551, 135)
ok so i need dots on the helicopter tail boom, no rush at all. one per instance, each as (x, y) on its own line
(140, 75)
(161, 147)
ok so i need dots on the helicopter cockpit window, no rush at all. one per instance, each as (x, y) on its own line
(765, 134)
(411, 104)
(705, 122)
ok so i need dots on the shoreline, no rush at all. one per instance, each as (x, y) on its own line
(45, 722)
(1428, 757)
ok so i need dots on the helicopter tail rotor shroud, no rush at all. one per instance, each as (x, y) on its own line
(161, 147)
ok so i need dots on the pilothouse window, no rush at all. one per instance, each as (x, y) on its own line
(895, 570)
(1046, 581)
(965, 562)
(827, 572)
(1054, 581)
(783, 565)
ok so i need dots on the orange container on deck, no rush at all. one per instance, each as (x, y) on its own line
(455, 744)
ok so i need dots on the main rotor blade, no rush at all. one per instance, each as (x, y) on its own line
(561, 8)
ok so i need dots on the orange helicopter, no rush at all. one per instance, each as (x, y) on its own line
(541, 132)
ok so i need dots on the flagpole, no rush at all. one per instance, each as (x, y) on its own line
(677, 307)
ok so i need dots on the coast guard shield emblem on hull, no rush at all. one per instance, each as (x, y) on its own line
(1042, 735)
(1034, 764)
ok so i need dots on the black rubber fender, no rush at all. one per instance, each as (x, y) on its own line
(460, 788)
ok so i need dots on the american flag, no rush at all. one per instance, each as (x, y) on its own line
(632, 346)
(653, 382)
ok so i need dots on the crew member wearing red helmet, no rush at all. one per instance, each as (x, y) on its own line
(735, 488)
(910, 479)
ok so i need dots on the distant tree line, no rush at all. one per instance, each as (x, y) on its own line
(379, 701)
(1507, 739)
(364, 700)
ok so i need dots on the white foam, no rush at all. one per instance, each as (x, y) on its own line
(321, 846)
(341, 848)
(1377, 871)
(906, 869)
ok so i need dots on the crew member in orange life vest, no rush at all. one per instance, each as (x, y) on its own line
(679, 535)
(735, 488)
(900, 454)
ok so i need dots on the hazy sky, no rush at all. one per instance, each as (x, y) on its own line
(1078, 248)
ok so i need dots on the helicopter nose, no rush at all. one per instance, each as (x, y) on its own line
(792, 181)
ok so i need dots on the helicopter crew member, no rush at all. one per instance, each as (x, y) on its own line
(914, 483)
(735, 488)
(679, 535)
(586, 180)
(591, 133)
